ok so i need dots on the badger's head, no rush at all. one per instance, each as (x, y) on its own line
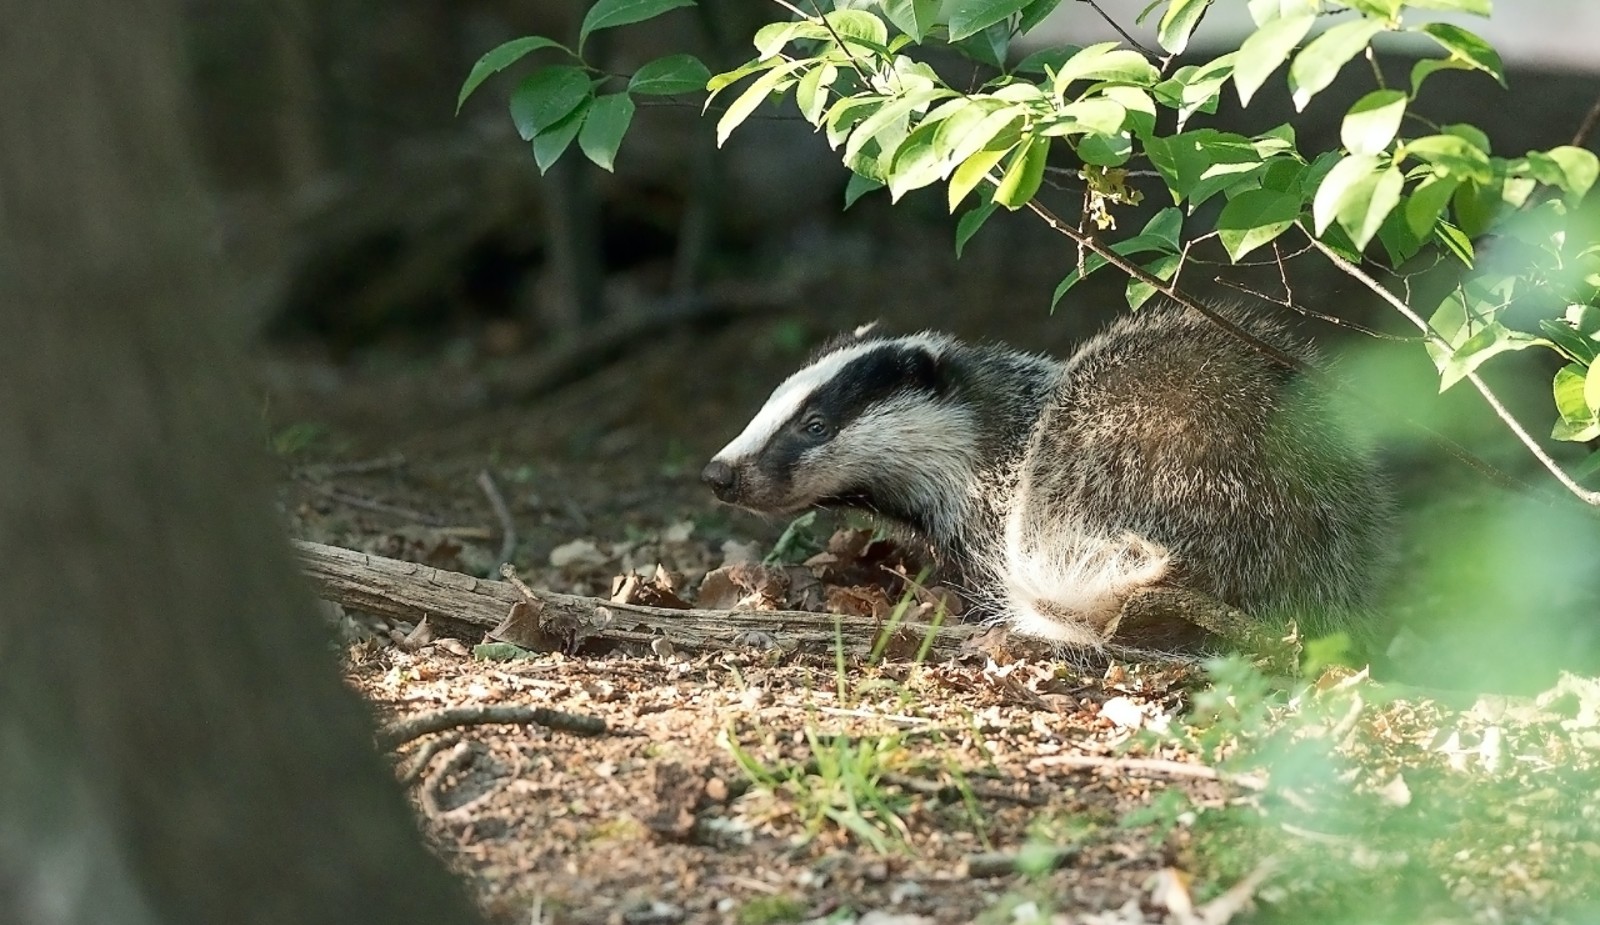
(872, 422)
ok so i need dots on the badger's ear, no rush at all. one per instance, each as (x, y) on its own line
(926, 368)
(863, 330)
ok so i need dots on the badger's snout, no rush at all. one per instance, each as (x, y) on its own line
(722, 479)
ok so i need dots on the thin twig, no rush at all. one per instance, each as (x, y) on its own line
(1126, 36)
(356, 467)
(1004, 863)
(1313, 313)
(978, 789)
(1583, 494)
(508, 529)
(424, 757)
(1587, 127)
(377, 507)
(1235, 898)
(1158, 767)
(402, 731)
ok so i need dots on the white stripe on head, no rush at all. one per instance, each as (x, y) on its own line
(787, 398)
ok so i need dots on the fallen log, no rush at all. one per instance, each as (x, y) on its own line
(547, 621)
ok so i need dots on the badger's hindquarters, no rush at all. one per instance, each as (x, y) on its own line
(1171, 454)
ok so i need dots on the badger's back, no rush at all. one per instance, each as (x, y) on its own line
(1169, 452)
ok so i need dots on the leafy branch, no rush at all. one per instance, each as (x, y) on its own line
(1385, 199)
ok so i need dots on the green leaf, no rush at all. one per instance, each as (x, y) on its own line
(1467, 47)
(1200, 163)
(1579, 423)
(859, 186)
(1269, 11)
(1093, 115)
(1266, 49)
(1163, 268)
(550, 144)
(1427, 203)
(810, 93)
(1316, 66)
(858, 25)
(1475, 7)
(1104, 150)
(1397, 238)
(601, 136)
(1591, 389)
(752, 97)
(1165, 227)
(1359, 192)
(670, 75)
(999, 130)
(1105, 61)
(1428, 66)
(1046, 59)
(969, 17)
(913, 17)
(893, 113)
(546, 96)
(1193, 89)
(1453, 240)
(1178, 23)
(501, 57)
(1580, 168)
(1474, 337)
(1372, 122)
(990, 46)
(915, 163)
(1577, 336)
(973, 170)
(970, 222)
(1452, 156)
(1254, 218)
(608, 13)
(846, 113)
(1024, 174)
(1476, 206)
(772, 37)
(1034, 13)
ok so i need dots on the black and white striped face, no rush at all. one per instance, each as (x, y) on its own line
(845, 430)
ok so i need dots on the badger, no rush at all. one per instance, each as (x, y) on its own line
(1163, 452)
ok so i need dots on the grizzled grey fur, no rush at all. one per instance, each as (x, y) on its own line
(1163, 452)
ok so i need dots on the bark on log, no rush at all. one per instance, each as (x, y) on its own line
(408, 591)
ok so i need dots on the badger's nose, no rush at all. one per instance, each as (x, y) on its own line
(720, 477)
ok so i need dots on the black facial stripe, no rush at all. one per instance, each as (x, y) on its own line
(880, 373)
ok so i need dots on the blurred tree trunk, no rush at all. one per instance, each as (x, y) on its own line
(175, 745)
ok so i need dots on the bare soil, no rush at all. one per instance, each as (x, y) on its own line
(757, 786)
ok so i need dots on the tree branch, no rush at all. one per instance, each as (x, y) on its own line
(1354, 272)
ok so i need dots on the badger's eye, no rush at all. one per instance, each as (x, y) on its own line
(815, 427)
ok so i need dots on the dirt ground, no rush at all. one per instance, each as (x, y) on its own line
(751, 786)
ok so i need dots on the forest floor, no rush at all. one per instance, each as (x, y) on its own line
(755, 785)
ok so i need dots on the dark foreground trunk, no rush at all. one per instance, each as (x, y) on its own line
(175, 745)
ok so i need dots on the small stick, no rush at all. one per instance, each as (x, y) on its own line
(356, 467)
(1587, 127)
(508, 529)
(460, 755)
(402, 731)
(978, 789)
(1004, 863)
(377, 507)
(424, 757)
(1233, 900)
(1158, 767)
